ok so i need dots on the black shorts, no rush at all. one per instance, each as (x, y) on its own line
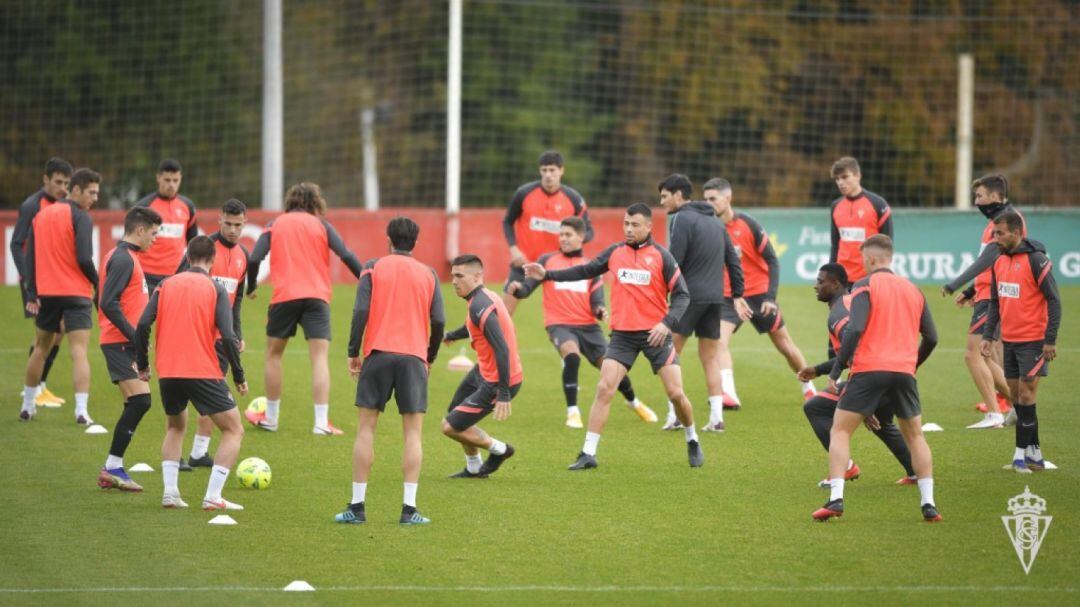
(311, 314)
(76, 312)
(625, 346)
(1024, 360)
(516, 275)
(979, 314)
(152, 282)
(209, 396)
(589, 338)
(401, 375)
(866, 393)
(764, 323)
(702, 319)
(120, 359)
(474, 400)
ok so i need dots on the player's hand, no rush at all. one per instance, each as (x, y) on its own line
(32, 307)
(242, 388)
(354, 367)
(1049, 352)
(832, 386)
(872, 424)
(517, 258)
(961, 300)
(534, 271)
(602, 313)
(807, 373)
(768, 308)
(513, 287)
(253, 293)
(240, 346)
(502, 410)
(144, 375)
(945, 292)
(986, 348)
(743, 309)
(658, 334)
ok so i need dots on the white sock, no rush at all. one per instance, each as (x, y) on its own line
(473, 463)
(572, 410)
(113, 462)
(1018, 454)
(359, 493)
(1036, 452)
(170, 474)
(322, 416)
(410, 494)
(218, 476)
(691, 433)
(592, 440)
(29, 394)
(200, 446)
(670, 410)
(497, 447)
(808, 386)
(727, 382)
(81, 398)
(926, 490)
(41, 388)
(836, 488)
(716, 409)
(272, 409)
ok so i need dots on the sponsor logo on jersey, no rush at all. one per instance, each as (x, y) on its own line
(540, 224)
(171, 230)
(634, 277)
(576, 286)
(1009, 289)
(853, 234)
(230, 284)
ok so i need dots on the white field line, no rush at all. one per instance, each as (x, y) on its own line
(559, 589)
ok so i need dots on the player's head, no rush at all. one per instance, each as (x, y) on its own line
(231, 220)
(991, 193)
(571, 234)
(201, 252)
(877, 252)
(675, 191)
(831, 281)
(85, 187)
(307, 197)
(141, 225)
(56, 178)
(1008, 230)
(466, 273)
(637, 223)
(403, 233)
(848, 176)
(169, 176)
(551, 170)
(717, 192)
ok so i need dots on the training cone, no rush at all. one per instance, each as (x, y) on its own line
(223, 519)
(461, 362)
(97, 429)
(141, 467)
(932, 427)
(299, 586)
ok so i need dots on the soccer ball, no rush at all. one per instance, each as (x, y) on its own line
(253, 473)
(256, 410)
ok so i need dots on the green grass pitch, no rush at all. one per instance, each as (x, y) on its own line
(644, 528)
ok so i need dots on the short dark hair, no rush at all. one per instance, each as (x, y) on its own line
(170, 165)
(639, 208)
(84, 177)
(993, 182)
(307, 197)
(575, 223)
(467, 259)
(201, 250)
(847, 163)
(878, 241)
(58, 165)
(551, 157)
(139, 217)
(403, 233)
(233, 206)
(677, 182)
(717, 183)
(835, 271)
(1011, 220)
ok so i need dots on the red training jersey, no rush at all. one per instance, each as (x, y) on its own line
(402, 294)
(982, 281)
(572, 302)
(1023, 308)
(230, 268)
(133, 297)
(533, 217)
(750, 241)
(853, 221)
(484, 307)
(56, 267)
(187, 327)
(177, 227)
(299, 258)
(890, 341)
